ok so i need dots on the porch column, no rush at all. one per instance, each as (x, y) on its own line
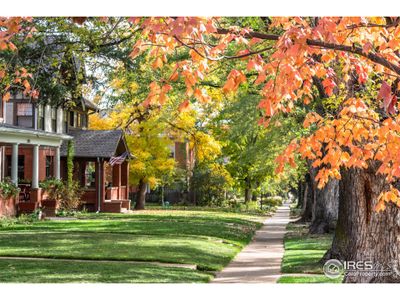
(57, 163)
(14, 164)
(116, 178)
(35, 167)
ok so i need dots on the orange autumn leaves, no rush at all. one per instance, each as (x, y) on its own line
(12, 26)
(356, 137)
(350, 138)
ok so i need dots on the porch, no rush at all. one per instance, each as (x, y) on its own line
(101, 166)
(105, 186)
(25, 154)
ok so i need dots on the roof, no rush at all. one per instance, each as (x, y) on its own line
(5, 127)
(95, 143)
(90, 105)
(18, 135)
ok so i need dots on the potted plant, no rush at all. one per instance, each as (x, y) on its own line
(8, 195)
(54, 189)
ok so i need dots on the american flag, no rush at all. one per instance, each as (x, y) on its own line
(117, 160)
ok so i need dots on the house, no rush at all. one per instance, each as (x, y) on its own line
(33, 139)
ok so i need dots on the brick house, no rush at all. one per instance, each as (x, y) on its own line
(33, 140)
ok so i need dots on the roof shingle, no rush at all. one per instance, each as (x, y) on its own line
(94, 143)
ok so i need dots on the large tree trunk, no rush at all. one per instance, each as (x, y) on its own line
(308, 199)
(325, 206)
(247, 190)
(141, 199)
(361, 233)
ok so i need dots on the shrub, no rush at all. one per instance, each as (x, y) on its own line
(210, 182)
(273, 201)
(68, 195)
(8, 189)
(24, 219)
(71, 197)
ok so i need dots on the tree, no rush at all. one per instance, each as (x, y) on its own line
(365, 127)
(148, 142)
(250, 148)
(358, 143)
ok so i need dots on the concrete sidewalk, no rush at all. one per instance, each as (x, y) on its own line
(260, 261)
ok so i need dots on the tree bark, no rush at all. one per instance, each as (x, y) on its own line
(247, 190)
(300, 194)
(325, 206)
(363, 234)
(308, 198)
(141, 199)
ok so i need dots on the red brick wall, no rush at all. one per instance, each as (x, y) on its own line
(28, 153)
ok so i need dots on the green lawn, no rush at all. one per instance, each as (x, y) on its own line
(309, 279)
(303, 253)
(112, 272)
(208, 239)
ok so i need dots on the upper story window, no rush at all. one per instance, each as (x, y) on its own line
(78, 120)
(84, 120)
(65, 119)
(71, 119)
(53, 119)
(25, 114)
(40, 116)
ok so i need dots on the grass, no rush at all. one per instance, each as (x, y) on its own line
(208, 239)
(19, 271)
(303, 253)
(309, 279)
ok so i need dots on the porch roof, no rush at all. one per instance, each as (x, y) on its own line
(95, 143)
(15, 134)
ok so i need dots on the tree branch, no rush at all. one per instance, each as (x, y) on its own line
(317, 43)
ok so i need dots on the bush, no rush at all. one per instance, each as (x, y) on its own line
(210, 183)
(22, 219)
(71, 197)
(8, 189)
(272, 201)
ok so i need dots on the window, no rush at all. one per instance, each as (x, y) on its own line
(53, 119)
(40, 115)
(83, 120)
(65, 125)
(71, 119)
(78, 120)
(90, 175)
(49, 166)
(24, 114)
(9, 113)
(21, 166)
(75, 119)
